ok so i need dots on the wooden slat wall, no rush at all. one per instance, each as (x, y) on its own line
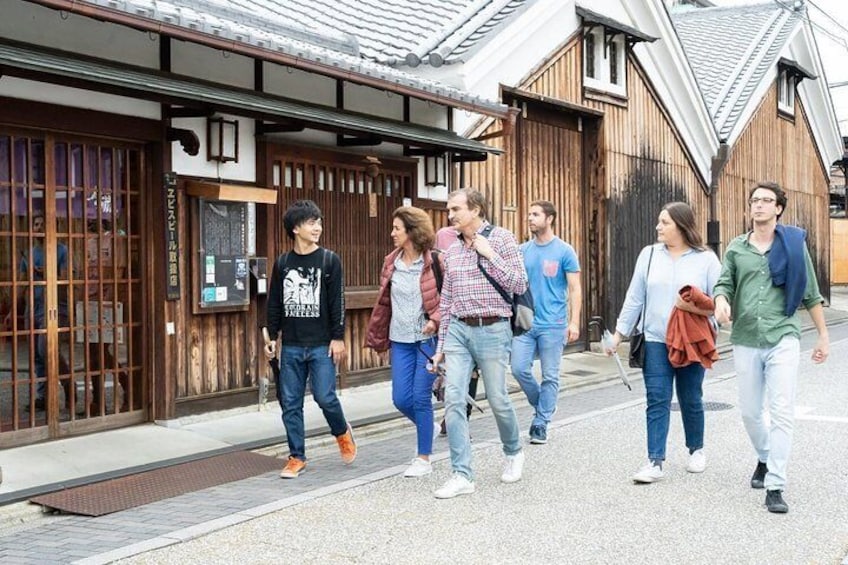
(839, 250)
(774, 148)
(643, 165)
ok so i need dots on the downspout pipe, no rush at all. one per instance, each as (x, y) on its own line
(714, 225)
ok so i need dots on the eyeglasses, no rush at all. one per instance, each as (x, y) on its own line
(764, 200)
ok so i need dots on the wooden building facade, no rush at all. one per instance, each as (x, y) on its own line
(625, 116)
(608, 163)
(141, 197)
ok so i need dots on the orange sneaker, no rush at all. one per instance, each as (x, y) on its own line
(293, 468)
(347, 446)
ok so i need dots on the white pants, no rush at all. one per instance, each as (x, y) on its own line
(773, 371)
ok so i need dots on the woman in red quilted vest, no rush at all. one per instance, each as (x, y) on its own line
(404, 323)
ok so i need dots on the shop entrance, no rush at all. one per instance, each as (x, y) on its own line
(71, 286)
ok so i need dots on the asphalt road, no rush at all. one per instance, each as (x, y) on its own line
(576, 503)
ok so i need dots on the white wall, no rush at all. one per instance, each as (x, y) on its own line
(198, 61)
(244, 170)
(428, 113)
(27, 22)
(372, 101)
(299, 85)
(77, 98)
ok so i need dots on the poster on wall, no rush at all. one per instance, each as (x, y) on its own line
(223, 254)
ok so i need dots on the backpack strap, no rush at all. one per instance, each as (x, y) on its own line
(436, 256)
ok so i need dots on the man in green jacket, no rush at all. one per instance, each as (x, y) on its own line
(766, 274)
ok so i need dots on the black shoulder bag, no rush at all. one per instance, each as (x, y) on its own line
(637, 340)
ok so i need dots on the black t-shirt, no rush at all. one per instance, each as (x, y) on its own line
(306, 298)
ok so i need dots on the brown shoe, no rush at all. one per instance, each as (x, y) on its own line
(293, 468)
(347, 446)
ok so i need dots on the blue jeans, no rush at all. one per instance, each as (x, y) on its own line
(412, 388)
(40, 354)
(769, 373)
(548, 344)
(297, 364)
(488, 347)
(660, 377)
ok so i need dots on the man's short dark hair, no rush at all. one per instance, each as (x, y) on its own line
(298, 212)
(547, 207)
(779, 193)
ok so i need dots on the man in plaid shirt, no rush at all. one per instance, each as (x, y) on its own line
(475, 329)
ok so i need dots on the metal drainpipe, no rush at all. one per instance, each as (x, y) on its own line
(714, 225)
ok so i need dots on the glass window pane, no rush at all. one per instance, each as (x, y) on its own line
(5, 160)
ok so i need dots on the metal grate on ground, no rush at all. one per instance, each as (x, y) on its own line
(136, 490)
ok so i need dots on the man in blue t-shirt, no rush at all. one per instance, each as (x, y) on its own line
(554, 274)
(35, 311)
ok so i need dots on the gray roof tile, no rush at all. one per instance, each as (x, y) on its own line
(731, 50)
(364, 36)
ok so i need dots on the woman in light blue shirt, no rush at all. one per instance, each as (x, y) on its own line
(662, 269)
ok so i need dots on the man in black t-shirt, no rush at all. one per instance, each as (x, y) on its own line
(306, 309)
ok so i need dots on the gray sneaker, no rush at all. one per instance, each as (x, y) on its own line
(759, 476)
(538, 435)
(775, 502)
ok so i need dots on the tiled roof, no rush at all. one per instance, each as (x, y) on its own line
(731, 50)
(364, 36)
(397, 32)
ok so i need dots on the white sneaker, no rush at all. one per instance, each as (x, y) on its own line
(513, 468)
(455, 486)
(650, 473)
(418, 468)
(697, 462)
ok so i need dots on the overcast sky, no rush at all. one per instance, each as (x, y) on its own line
(833, 46)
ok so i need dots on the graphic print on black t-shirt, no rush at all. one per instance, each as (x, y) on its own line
(302, 292)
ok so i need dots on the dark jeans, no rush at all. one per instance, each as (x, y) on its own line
(660, 378)
(297, 364)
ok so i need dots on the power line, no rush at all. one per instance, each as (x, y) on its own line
(828, 16)
(838, 39)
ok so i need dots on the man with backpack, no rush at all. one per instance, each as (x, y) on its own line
(475, 329)
(306, 308)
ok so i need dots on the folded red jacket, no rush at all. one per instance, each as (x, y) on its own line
(690, 337)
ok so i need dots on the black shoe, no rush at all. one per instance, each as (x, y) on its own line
(443, 429)
(39, 405)
(775, 502)
(759, 475)
(538, 435)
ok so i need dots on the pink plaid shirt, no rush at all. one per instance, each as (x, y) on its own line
(466, 292)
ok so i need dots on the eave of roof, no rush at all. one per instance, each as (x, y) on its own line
(590, 17)
(296, 53)
(19, 59)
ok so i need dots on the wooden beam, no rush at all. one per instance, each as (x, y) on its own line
(371, 139)
(231, 192)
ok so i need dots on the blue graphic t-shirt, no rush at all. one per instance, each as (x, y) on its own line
(37, 255)
(547, 265)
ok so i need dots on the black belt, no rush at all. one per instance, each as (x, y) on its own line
(478, 321)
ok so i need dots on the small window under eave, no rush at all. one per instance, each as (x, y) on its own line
(789, 75)
(605, 46)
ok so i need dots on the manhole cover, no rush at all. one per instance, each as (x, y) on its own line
(708, 406)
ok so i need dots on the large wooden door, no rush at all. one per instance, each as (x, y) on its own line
(550, 166)
(71, 285)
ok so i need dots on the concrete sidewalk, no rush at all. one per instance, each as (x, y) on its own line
(55, 465)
